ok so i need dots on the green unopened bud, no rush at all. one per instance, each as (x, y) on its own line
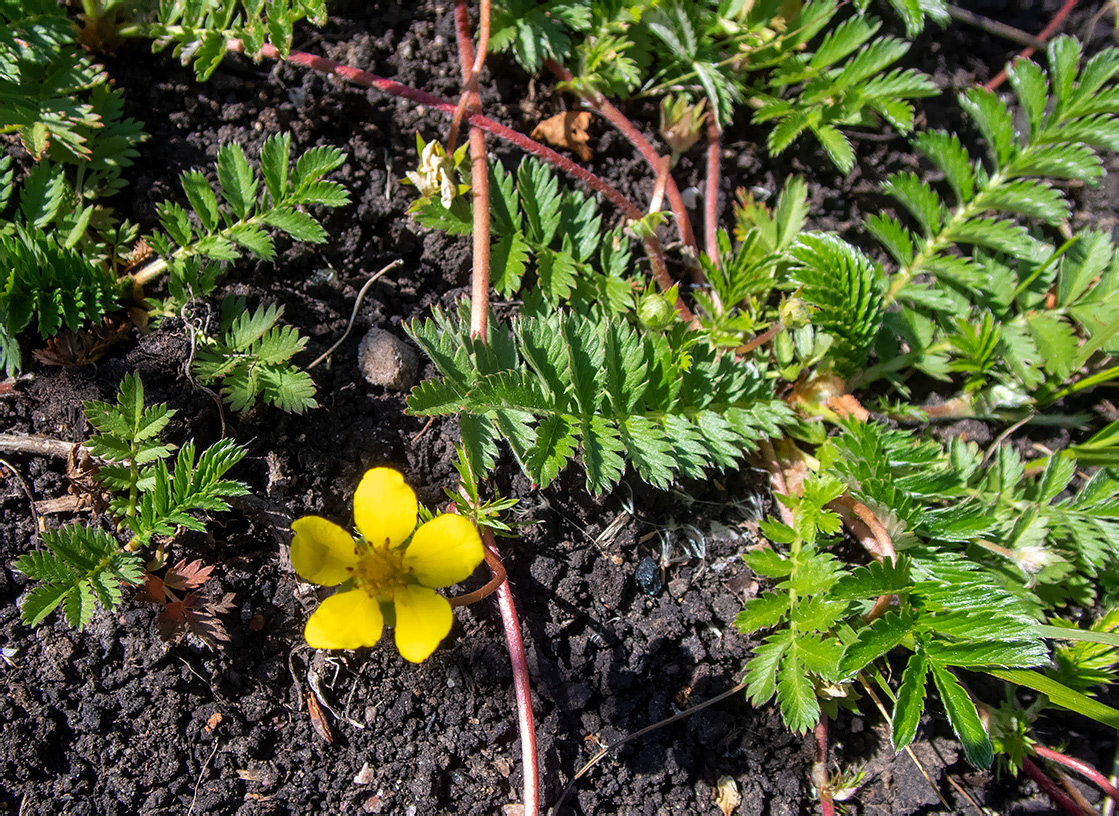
(655, 311)
(794, 313)
(681, 122)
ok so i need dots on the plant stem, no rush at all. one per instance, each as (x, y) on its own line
(1042, 36)
(711, 193)
(586, 177)
(773, 465)
(820, 768)
(1057, 796)
(600, 105)
(479, 171)
(1082, 768)
(521, 687)
(1003, 30)
(497, 570)
(479, 310)
(874, 537)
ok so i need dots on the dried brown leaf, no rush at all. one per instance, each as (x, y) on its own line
(567, 130)
(318, 719)
(727, 797)
(85, 346)
(186, 575)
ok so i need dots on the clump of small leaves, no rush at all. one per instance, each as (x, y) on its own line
(81, 565)
(232, 218)
(251, 357)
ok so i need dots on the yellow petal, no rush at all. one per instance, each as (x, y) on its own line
(322, 552)
(348, 620)
(423, 619)
(444, 551)
(384, 507)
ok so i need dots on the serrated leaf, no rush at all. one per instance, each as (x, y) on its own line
(874, 641)
(837, 146)
(796, 696)
(274, 158)
(202, 198)
(910, 701)
(238, 183)
(761, 670)
(538, 190)
(298, 225)
(963, 717)
(762, 612)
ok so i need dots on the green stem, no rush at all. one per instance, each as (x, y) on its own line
(935, 243)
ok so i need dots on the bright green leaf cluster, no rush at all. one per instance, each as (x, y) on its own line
(233, 217)
(201, 29)
(251, 357)
(48, 284)
(82, 566)
(566, 386)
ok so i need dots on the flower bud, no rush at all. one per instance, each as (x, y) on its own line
(655, 311)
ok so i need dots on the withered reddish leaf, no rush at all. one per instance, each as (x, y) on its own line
(206, 627)
(187, 575)
(172, 622)
(85, 346)
(201, 613)
(153, 590)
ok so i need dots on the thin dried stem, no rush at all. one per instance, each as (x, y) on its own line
(605, 752)
(38, 445)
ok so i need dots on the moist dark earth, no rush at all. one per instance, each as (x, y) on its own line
(112, 720)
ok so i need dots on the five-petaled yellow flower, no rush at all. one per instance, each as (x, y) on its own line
(443, 551)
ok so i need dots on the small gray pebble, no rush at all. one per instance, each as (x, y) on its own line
(385, 359)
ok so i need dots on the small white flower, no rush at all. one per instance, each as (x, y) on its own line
(434, 174)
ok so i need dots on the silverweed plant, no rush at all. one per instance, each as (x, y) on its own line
(895, 552)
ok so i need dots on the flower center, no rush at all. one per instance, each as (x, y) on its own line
(380, 571)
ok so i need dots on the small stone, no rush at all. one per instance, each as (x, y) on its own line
(365, 775)
(385, 359)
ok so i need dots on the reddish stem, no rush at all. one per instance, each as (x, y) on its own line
(611, 114)
(521, 687)
(711, 195)
(1082, 768)
(1057, 796)
(479, 171)
(392, 88)
(760, 340)
(880, 545)
(820, 768)
(874, 537)
(1045, 34)
(497, 571)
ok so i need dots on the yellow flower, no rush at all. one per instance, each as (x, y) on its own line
(443, 551)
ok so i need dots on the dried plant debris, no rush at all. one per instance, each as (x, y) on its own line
(196, 612)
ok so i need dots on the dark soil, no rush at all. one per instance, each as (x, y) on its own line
(113, 721)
